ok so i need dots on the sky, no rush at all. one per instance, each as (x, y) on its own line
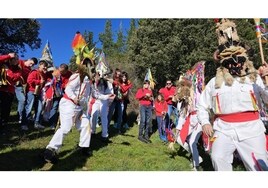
(60, 33)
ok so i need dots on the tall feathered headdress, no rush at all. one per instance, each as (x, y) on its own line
(81, 49)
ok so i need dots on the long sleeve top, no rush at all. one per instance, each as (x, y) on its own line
(238, 98)
(141, 96)
(75, 89)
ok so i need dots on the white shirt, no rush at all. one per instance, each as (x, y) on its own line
(233, 99)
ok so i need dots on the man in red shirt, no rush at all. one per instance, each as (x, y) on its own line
(10, 74)
(65, 75)
(35, 82)
(168, 92)
(145, 97)
(26, 67)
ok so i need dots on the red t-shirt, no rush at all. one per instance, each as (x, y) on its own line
(166, 92)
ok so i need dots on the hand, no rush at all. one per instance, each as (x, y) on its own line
(76, 101)
(208, 130)
(12, 55)
(112, 96)
(263, 70)
(170, 96)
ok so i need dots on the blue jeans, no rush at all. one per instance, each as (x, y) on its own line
(145, 120)
(116, 108)
(32, 99)
(54, 115)
(172, 110)
(19, 91)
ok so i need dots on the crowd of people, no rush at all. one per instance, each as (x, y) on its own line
(227, 113)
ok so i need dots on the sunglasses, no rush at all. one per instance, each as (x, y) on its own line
(168, 83)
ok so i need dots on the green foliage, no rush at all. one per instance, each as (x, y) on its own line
(15, 34)
(170, 46)
(106, 39)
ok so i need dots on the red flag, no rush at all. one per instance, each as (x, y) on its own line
(185, 129)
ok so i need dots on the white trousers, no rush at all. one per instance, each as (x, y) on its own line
(71, 114)
(100, 108)
(224, 146)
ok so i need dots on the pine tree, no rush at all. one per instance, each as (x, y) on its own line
(106, 39)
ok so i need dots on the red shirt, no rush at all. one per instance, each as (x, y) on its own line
(25, 71)
(166, 92)
(65, 79)
(13, 75)
(124, 88)
(34, 79)
(140, 95)
(160, 106)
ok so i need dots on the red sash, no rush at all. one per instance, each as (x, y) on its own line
(185, 129)
(239, 117)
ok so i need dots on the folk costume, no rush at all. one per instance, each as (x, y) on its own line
(188, 129)
(74, 105)
(233, 97)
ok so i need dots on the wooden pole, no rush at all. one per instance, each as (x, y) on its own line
(258, 33)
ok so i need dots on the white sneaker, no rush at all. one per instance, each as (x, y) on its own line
(200, 159)
(38, 126)
(24, 128)
(97, 125)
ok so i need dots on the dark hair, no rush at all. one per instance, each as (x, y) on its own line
(34, 59)
(125, 74)
(64, 66)
(43, 62)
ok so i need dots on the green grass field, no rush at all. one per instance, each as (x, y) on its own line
(20, 151)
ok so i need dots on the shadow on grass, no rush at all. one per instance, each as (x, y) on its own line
(21, 160)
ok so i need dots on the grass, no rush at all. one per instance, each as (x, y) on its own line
(20, 151)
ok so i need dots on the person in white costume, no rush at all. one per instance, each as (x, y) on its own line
(233, 97)
(73, 111)
(102, 92)
(188, 129)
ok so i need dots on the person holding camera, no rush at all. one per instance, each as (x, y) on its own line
(9, 75)
(145, 97)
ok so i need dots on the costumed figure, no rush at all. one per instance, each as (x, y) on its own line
(188, 129)
(73, 105)
(103, 96)
(233, 96)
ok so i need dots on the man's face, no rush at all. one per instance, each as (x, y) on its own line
(62, 70)
(42, 68)
(29, 63)
(168, 84)
(14, 61)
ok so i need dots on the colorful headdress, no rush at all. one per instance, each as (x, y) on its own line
(80, 48)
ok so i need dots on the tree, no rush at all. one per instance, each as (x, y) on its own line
(171, 46)
(106, 39)
(120, 43)
(15, 34)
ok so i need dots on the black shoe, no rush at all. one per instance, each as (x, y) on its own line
(50, 155)
(142, 139)
(86, 151)
(105, 139)
(147, 139)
